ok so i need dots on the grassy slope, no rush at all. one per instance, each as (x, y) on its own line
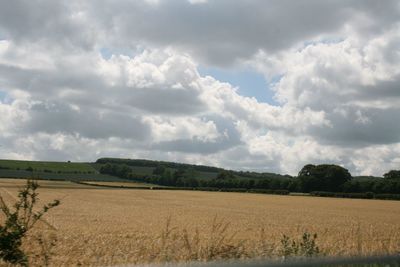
(149, 171)
(47, 165)
(141, 166)
(73, 171)
(90, 171)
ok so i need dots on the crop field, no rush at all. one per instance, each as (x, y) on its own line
(104, 227)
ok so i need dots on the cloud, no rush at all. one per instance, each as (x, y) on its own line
(333, 67)
(353, 84)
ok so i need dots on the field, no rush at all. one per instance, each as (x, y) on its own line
(59, 176)
(103, 227)
(90, 171)
(122, 184)
(47, 165)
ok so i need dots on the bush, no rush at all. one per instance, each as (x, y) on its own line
(270, 191)
(19, 220)
(367, 195)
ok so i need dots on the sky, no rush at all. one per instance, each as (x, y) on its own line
(263, 85)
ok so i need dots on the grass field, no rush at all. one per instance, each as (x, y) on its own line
(59, 176)
(47, 165)
(103, 227)
(122, 184)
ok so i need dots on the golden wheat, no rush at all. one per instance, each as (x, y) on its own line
(97, 226)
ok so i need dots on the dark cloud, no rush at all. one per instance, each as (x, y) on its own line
(51, 22)
(219, 32)
(360, 127)
(60, 118)
(165, 100)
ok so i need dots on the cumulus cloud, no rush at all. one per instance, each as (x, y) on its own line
(333, 67)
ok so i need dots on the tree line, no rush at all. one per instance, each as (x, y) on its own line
(311, 178)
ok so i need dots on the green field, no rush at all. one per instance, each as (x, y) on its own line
(73, 171)
(59, 176)
(148, 170)
(48, 166)
(90, 171)
(51, 170)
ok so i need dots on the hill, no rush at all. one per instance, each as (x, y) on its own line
(144, 166)
(52, 170)
(91, 171)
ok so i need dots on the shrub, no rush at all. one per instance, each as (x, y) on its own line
(19, 220)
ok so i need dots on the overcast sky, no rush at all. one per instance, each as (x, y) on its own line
(267, 85)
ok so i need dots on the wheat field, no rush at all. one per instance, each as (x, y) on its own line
(104, 227)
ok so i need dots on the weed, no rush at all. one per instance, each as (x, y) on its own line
(304, 247)
(19, 220)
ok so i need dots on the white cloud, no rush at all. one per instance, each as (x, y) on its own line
(334, 68)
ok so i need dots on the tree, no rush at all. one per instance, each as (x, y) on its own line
(225, 175)
(325, 177)
(29, 169)
(159, 170)
(393, 174)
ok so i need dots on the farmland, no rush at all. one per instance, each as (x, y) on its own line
(65, 167)
(120, 184)
(48, 170)
(100, 226)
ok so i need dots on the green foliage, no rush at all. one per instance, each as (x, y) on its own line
(159, 170)
(153, 163)
(306, 246)
(118, 170)
(365, 195)
(225, 175)
(325, 177)
(20, 218)
(393, 174)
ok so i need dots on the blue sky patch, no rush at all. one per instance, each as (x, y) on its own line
(323, 41)
(250, 83)
(106, 52)
(3, 96)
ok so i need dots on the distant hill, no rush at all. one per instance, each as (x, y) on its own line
(52, 170)
(90, 171)
(144, 166)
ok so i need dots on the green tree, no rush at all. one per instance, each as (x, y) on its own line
(225, 175)
(325, 177)
(159, 170)
(393, 174)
